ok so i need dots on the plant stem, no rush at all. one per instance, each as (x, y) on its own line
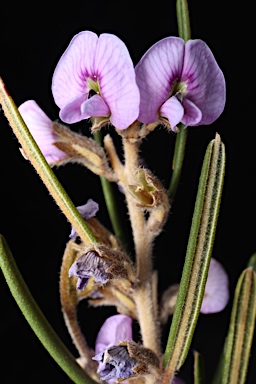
(69, 301)
(143, 249)
(177, 163)
(109, 195)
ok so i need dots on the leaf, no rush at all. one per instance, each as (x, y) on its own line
(199, 250)
(241, 330)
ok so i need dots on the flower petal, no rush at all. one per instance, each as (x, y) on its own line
(192, 114)
(89, 265)
(173, 111)
(39, 125)
(87, 211)
(155, 73)
(115, 72)
(216, 293)
(205, 81)
(115, 363)
(71, 112)
(115, 329)
(95, 106)
(74, 66)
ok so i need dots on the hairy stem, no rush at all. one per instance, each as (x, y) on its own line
(143, 250)
(69, 301)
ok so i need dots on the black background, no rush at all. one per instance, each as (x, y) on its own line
(33, 37)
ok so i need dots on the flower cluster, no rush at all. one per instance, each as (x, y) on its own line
(175, 84)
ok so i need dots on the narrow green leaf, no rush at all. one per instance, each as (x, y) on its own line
(199, 370)
(252, 262)
(37, 320)
(199, 250)
(45, 172)
(241, 330)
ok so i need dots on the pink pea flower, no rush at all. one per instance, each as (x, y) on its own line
(115, 329)
(180, 82)
(39, 126)
(114, 360)
(95, 77)
(216, 294)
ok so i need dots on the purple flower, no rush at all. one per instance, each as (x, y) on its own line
(216, 294)
(87, 211)
(89, 265)
(95, 77)
(117, 364)
(115, 329)
(40, 125)
(180, 82)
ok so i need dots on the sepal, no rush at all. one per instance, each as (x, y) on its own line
(83, 150)
(147, 190)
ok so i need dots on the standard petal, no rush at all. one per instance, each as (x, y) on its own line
(71, 112)
(39, 125)
(192, 114)
(160, 66)
(95, 106)
(115, 329)
(115, 72)
(216, 293)
(205, 81)
(73, 68)
(173, 111)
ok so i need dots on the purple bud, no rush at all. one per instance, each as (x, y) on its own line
(89, 265)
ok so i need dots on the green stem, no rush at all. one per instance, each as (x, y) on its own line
(37, 320)
(199, 369)
(181, 137)
(109, 195)
(183, 19)
(177, 163)
(37, 159)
